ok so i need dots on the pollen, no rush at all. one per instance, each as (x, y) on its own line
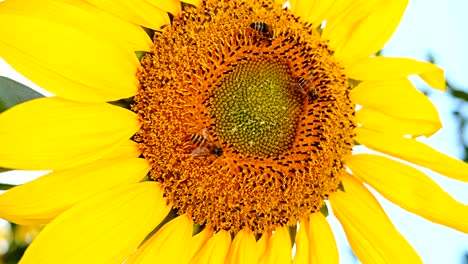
(246, 117)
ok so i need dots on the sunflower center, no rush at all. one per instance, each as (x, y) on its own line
(246, 117)
(256, 108)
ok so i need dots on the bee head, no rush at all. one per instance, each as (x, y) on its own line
(218, 151)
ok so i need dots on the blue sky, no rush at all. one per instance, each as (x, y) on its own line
(433, 26)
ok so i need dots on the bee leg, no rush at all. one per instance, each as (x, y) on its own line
(205, 133)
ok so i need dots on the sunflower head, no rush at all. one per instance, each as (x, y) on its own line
(245, 120)
(246, 115)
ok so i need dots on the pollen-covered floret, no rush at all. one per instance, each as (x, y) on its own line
(282, 151)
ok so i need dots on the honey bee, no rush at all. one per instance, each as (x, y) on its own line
(264, 29)
(205, 145)
(307, 87)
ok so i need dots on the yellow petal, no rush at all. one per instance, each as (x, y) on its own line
(381, 122)
(410, 189)
(398, 99)
(301, 8)
(40, 201)
(199, 240)
(370, 232)
(103, 229)
(56, 133)
(171, 6)
(141, 12)
(302, 255)
(215, 249)
(344, 17)
(171, 244)
(364, 37)
(243, 249)
(279, 247)
(67, 60)
(125, 149)
(387, 68)
(193, 2)
(262, 245)
(322, 244)
(348, 12)
(291, 2)
(280, 2)
(88, 18)
(311, 11)
(413, 151)
(340, 9)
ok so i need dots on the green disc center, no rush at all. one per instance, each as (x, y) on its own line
(256, 107)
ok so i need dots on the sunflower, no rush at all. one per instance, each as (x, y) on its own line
(214, 131)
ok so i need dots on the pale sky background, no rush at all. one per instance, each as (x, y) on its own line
(439, 27)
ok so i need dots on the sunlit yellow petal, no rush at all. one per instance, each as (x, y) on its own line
(279, 247)
(322, 247)
(315, 242)
(199, 240)
(193, 2)
(344, 17)
(243, 249)
(171, 244)
(280, 2)
(387, 68)
(303, 8)
(103, 229)
(141, 12)
(170, 6)
(302, 255)
(88, 18)
(124, 149)
(291, 2)
(55, 133)
(367, 36)
(215, 250)
(262, 244)
(319, 12)
(410, 189)
(398, 99)
(41, 200)
(67, 60)
(381, 122)
(413, 151)
(370, 232)
(341, 8)
(349, 11)
(315, 12)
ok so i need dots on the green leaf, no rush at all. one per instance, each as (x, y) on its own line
(324, 210)
(341, 187)
(353, 83)
(140, 54)
(4, 169)
(197, 229)
(5, 187)
(13, 93)
(460, 94)
(292, 230)
(124, 103)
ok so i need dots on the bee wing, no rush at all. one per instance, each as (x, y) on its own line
(200, 152)
(300, 88)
